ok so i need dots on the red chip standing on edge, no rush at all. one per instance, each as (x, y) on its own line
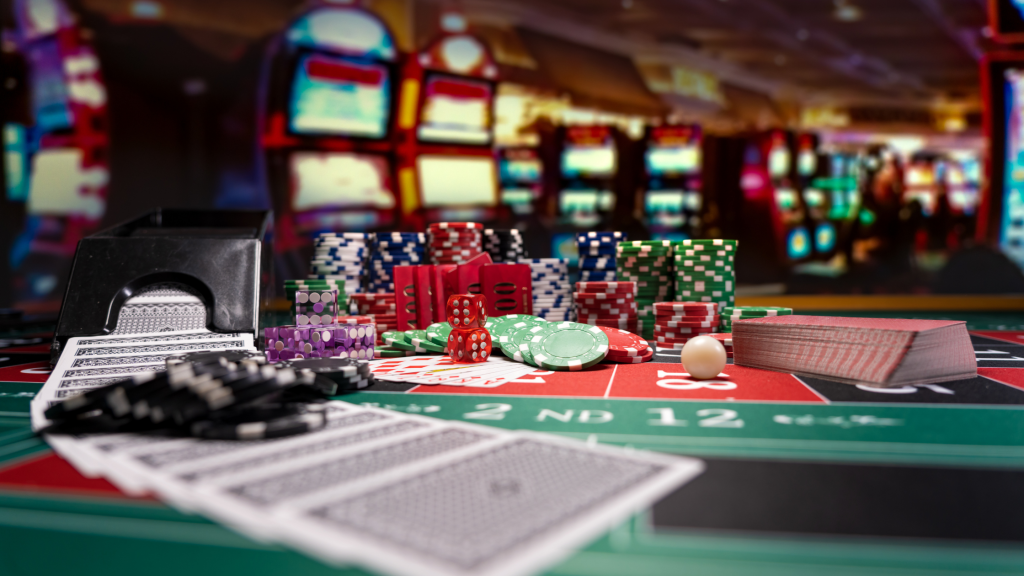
(469, 341)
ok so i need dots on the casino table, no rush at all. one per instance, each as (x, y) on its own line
(803, 476)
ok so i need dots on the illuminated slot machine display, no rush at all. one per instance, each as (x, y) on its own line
(64, 149)
(921, 184)
(822, 230)
(329, 100)
(447, 169)
(963, 180)
(520, 171)
(672, 199)
(588, 162)
(1001, 211)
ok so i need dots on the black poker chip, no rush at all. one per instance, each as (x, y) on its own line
(260, 423)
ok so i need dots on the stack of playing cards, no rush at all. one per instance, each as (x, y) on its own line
(880, 352)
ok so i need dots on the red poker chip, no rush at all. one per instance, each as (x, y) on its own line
(453, 245)
(679, 307)
(604, 296)
(446, 253)
(607, 287)
(605, 302)
(436, 234)
(684, 317)
(455, 226)
(453, 240)
(381, 297)
(354, 320)
(645, 357)
(683, 339)
(669, 325)
(623, 342)
(724, 337)
(685, 330)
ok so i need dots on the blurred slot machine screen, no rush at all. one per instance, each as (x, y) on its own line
(457, 181)
(520, 165)
(338, 180)
(456, 110)
(673, 150)
(340, 97)
(589, 153)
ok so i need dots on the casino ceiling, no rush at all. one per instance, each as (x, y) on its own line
(847, 52)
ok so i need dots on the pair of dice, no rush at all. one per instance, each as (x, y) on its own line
(469, 341)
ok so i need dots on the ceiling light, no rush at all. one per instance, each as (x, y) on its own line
(847, 11)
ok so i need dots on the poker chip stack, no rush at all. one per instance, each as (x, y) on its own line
(333, 340)
(382, 309)
(731, 314)
(504, 245)
(454, 242)
(649, 264)
(552, 293)
(704, 271)
(607, 305)
(341, 257)
(677, 322)
(597, 255)
(392, 249)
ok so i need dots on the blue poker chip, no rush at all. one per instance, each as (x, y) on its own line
(607, 252)
(553, 278)
(403, 257)
(551, 292)
(597, 263)
(400, 236)
(583, 237)
(398, 246)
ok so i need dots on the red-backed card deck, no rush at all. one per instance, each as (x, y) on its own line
(507, 287)
(440, 289)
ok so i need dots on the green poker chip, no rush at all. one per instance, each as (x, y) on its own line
(392, 335)
(502, 323)
(504, 341)
(570, 346)
(390, 352)
(438, 333)
(403, 341)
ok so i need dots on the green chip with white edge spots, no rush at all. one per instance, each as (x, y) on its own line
(570, 346)
(522, 338)
(438, 333)
(499, 324)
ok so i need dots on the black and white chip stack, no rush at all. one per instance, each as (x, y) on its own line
(342, 257)
(504, 245)
(392, 249)
(552, 291)
(224, 395)
(454, 242)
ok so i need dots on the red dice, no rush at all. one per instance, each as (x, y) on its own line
(473, 345)
(466, 311)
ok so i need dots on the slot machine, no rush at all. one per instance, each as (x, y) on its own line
(64, 149)
(446, 165)
(520, 171)
(589, 159)
(816, 200)
(328, 101)
(672, 168)
(769, 188)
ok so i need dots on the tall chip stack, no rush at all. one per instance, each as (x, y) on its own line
(341, 257)
(504, 245)
(677, 322)
(597, 255)
(649, 264)
(705, 272)
(607, 305)
(454, 242)
(382, 309)
(552, 293)
(392, 249)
